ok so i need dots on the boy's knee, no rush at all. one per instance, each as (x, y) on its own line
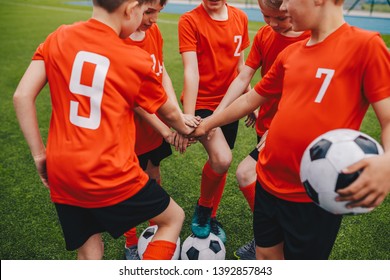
(244, 177)
(221, 163)
(179, 215)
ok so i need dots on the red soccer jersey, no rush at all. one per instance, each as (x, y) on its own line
(266, 46)
(147, 138)
(325, 86)
(94, 84)
(218, 45)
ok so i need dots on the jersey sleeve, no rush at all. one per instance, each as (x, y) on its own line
(245, 38)
(377, 71)
(254, 59)
(271, 84)
(187, 35)
(151, 95)
(38, 55)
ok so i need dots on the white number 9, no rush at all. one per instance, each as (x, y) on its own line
(94, 92)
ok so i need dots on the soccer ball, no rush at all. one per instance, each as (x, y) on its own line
(323, 161)
(210, 248)
(147, 235)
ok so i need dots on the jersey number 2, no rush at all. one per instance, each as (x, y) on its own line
(94, 92)
(328, 77)
(238, 41)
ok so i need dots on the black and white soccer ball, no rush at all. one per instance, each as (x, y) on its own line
(323, 161)
(210, 248)
(147, 235)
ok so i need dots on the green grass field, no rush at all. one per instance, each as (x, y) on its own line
(28, 223)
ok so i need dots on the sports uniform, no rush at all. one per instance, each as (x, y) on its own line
(149, 144)
(94, 85)
(218, 45)
(267, 44)
(321, 90)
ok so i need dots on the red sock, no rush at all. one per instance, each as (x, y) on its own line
(209, 185)
(249, 194)
(218, 195)
(159, 250)
(131, 237)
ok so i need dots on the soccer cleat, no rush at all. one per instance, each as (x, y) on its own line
(200, 225)
(131, 253)
(247, 251)
(216, 228)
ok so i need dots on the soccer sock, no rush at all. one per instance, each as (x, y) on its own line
(209, 185)
(159, 250)
(131, 237)
(218, 194)
(249, 194)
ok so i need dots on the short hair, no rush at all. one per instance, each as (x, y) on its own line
(274, 4)
(111, 5)
(163, 2)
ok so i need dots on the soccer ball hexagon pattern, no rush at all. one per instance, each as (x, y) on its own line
(323, 161)
(210, 248)
(147, 235)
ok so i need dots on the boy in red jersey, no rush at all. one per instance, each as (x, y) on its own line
(326, 82)
(269, 41)
(89, 164)
(153, 136)
(212, 38)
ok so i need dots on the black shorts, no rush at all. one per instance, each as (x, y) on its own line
(79, 224)
(156, 155)
(229, 130)
(308, 231)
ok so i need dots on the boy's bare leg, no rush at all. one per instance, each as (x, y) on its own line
(270, 253)
(92, 249)
(169, 223)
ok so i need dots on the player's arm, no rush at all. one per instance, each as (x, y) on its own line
(239, 108)
(31, 84)
(173, 117)
(191, 81)
(190, 120)
(155, 122)
(373, 184)
(237, 87)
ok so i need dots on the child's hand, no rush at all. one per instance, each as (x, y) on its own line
(251, 119)
(191, 121)
(373, 184)
(40, 164)
(181, 143)
(199, 131)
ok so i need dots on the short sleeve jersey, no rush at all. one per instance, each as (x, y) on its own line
(94, 85)
(266, 46)
(324, 86)
(218, 45)
(147, 138)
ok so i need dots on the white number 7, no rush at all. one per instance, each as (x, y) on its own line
(94, 92)
(329, 75)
